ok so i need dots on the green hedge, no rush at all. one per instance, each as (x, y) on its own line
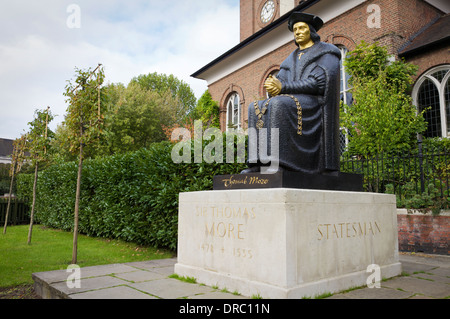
(132, 196)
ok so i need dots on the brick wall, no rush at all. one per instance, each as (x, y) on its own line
(424, 233)
(400, 19)
(249, 16)
(430, 58)
(246, 12)
(248, 80)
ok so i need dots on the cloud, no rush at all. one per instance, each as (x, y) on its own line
(39, 52)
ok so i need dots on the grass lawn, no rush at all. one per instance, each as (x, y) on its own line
(52, 250)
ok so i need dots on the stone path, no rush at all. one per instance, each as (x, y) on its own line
(424, 277)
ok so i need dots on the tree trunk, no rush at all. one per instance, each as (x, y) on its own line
(9, 199)
(30, 230)
(77, 208)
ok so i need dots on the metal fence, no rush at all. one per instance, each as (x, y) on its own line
(19, 212)
(422, 172)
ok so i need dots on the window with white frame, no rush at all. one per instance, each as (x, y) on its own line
(346, 96)
(233, 112)
(432, 93)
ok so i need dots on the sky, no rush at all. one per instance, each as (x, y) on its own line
(42, 42)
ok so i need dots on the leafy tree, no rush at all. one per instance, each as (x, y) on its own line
(109, 99)
(382, 117)
(39, 138)
(138, 118)
(84, 125)
(61, 145)
(207, 111)
(178, 89)
(366, 62)
(133, 116)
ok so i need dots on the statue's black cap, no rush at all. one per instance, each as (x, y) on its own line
(311, 19)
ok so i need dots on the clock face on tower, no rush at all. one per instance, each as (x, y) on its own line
(267, 11)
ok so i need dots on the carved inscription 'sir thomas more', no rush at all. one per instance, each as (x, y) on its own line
(225, 223)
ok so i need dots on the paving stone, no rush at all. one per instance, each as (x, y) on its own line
(51, 276)
(103, 270)
(86, 272)
(89, 284)
(432, 277)
(171, 288)
(140, 276)
(411, 268)
(150, 264)
(432, 260)
(122, 292)
(165, 271)
(442, 272)
(421, 286)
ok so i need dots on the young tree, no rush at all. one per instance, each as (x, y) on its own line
(17, 159)
(84, 125)
(38, 143)
(207, 111)
(382, 117)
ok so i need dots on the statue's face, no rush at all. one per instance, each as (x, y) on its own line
(302, 33)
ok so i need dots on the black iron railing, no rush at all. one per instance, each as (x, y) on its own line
(19, 212)
(423, 174)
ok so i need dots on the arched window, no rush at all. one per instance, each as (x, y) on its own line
(346, 96)
(233, 113)
(432, 92)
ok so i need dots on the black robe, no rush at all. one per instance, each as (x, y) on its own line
(314, 79)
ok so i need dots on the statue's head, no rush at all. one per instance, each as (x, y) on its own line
(305, 27)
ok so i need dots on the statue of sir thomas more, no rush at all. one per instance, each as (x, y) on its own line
(303, 106)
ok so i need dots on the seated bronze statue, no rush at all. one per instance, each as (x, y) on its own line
(303, 107)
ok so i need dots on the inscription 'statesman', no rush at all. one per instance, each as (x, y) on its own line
(347, 230)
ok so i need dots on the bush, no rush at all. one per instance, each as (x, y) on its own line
(430, 200)
(133, 196)
(381, 117)
(5, 179)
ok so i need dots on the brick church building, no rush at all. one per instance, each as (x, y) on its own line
(416, 30)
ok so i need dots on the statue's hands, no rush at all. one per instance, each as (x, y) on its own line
(273, 86)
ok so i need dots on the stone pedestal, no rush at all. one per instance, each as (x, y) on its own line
(286, 243)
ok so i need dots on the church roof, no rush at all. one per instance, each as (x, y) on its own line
(435, 33)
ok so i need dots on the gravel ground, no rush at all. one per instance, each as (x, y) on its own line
(19, 292)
